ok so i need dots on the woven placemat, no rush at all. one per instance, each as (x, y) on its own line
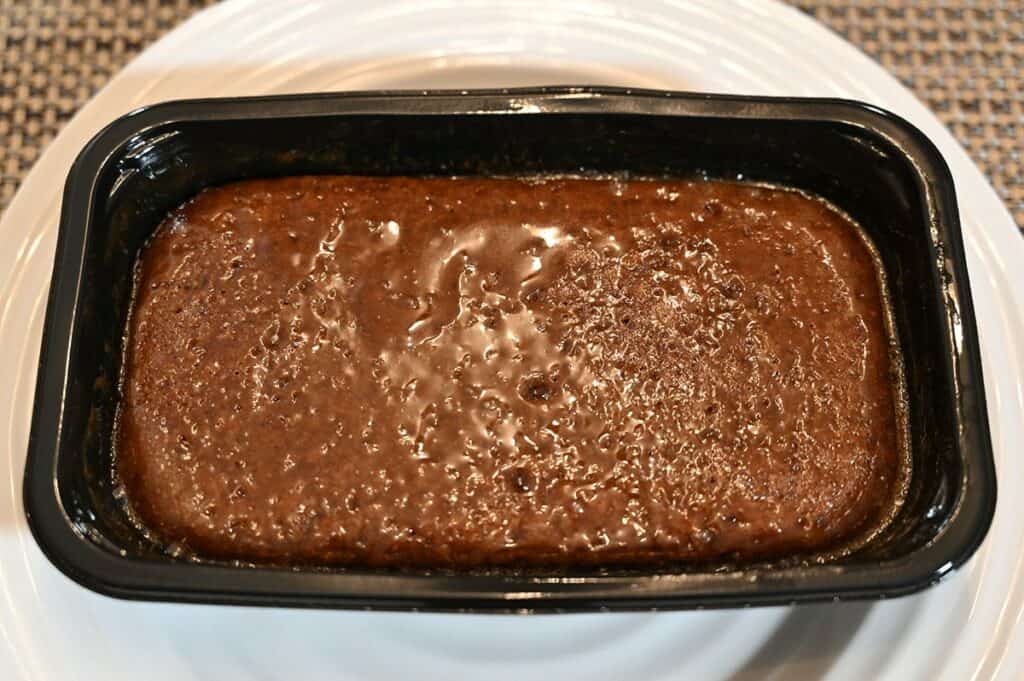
(965, 58)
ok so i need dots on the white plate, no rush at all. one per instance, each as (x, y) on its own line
(966, 628)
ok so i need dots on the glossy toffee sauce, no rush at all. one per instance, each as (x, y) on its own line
(468, 372)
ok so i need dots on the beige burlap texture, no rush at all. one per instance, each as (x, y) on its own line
(964, 58)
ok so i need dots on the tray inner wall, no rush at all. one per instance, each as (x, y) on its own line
(854, 169)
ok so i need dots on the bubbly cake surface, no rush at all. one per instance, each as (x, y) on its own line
(468, 372)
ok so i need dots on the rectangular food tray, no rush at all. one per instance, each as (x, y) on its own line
(868, 162)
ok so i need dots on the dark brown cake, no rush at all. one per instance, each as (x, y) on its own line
(468, 371)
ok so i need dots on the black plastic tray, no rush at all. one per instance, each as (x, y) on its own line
(870, 163)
